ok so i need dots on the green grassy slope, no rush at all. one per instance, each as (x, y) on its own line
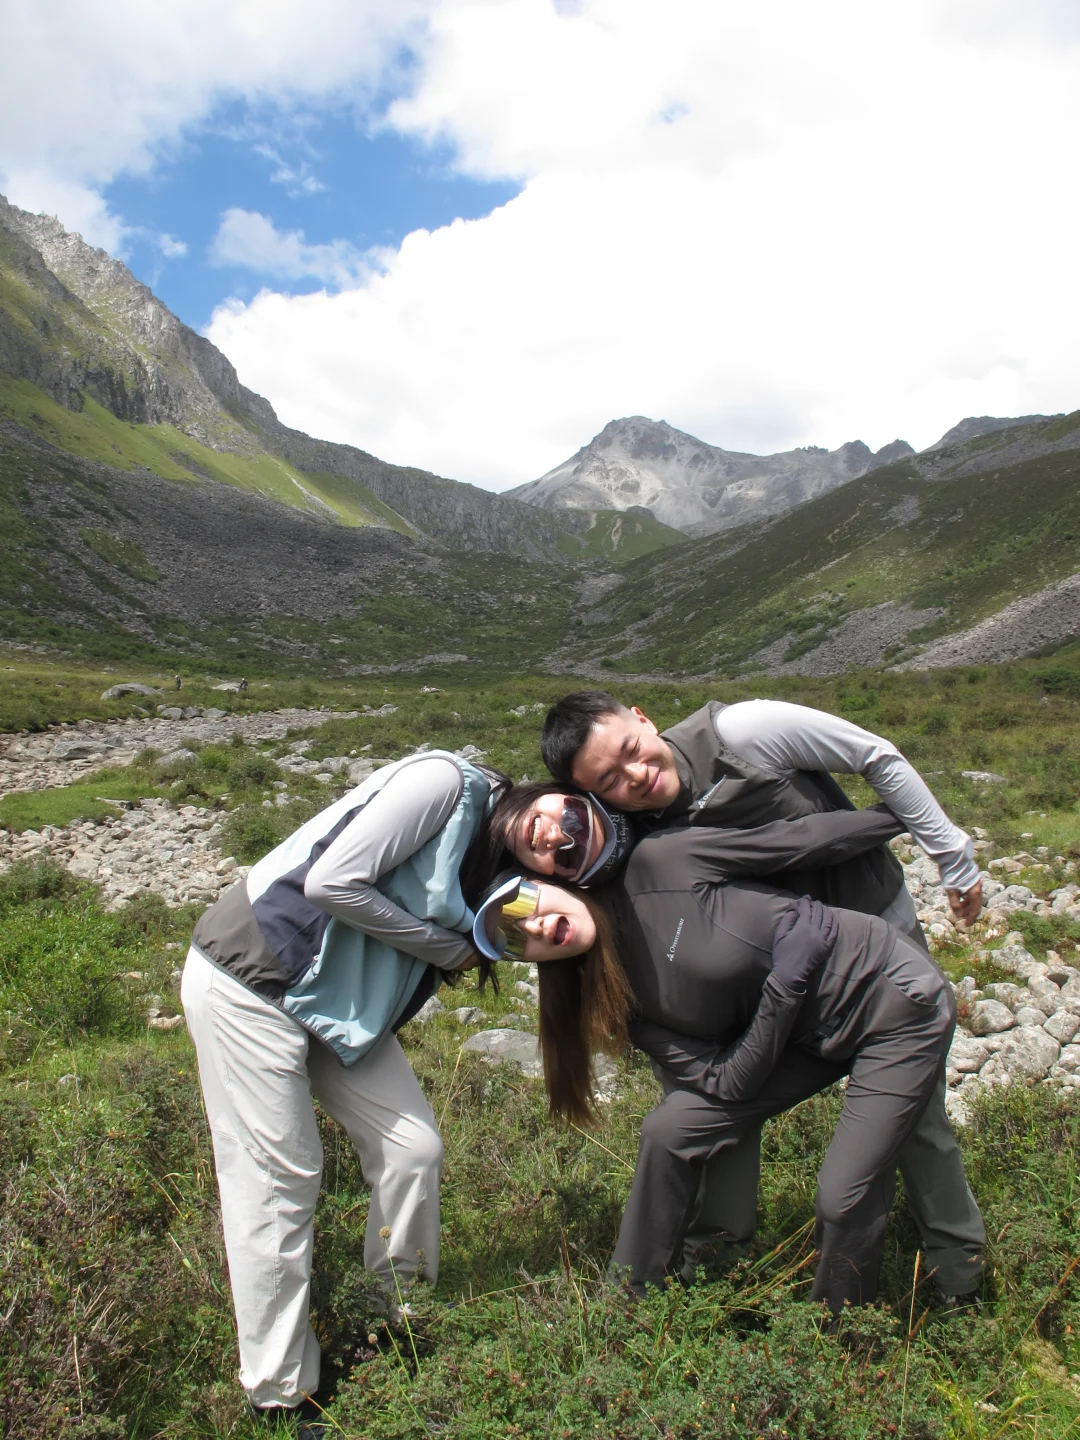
(970, 544)
(619, 536)
(94, 433)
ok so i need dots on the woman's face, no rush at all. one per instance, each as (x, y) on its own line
(557, 835)
(561, 926)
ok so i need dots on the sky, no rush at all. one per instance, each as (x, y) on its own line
(466, 234)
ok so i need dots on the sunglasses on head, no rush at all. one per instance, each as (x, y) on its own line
(503, 928)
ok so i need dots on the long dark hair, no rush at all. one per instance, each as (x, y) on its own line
(585, 1001)
(584, 1006)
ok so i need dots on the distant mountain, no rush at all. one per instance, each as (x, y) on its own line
(967, 553)
(976, 425)
(694, 487)
(78, 330)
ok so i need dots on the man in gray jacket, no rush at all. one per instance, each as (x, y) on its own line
(744, 765)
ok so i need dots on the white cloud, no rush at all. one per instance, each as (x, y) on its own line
(770, 225)
(90, 91)
(296, 180)
(252, 241)
(170, 247)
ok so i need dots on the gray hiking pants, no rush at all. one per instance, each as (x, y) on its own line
(890, 1081)
(938, 1194)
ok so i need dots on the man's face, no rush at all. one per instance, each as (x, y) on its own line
(626, 763)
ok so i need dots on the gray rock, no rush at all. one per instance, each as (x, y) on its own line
(1069, 1059)
(296, 765)
(165, 1022)
(116, 692)
(231, 686)
(1014, 959)
(1009, 994)
(1029, 1051)
(966, 991)
(429, 1010)
(967, 1054)
(984, 777)
(1043, 994)
(990, 1017)
(508, 1047)
(361, 770)
(1062, 1026)
(213, 713)
(957, 1109)
(78, 749)
(1028, 1015)
(467, 1014)
(471, 752)
(175, 757)
(170, 712)
(335, 764)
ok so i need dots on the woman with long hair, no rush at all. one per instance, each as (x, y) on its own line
(295, 984)
(731, 1000)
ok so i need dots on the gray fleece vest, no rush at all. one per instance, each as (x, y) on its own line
(720, 788)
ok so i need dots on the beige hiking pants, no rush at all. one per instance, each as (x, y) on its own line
(259, 1071)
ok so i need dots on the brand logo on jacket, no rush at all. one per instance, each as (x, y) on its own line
(678, 932)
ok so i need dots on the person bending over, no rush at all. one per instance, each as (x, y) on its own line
(747, 764)
(727, 1001)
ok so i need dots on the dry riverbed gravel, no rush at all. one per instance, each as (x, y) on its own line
(63, 754)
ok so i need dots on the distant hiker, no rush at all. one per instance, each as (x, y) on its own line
(243, 685)
(732, 1000)
(179, 682)
(296, 980)
(745, 765)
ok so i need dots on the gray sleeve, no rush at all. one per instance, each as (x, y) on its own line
(806, 843)
(413, 806)
(725, 1072)
(779, 736)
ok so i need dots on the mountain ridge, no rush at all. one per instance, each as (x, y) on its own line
(75, 322)
(702, 489)
(691, 485)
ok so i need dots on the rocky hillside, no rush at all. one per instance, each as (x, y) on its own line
(78, 330)
(966, 552)
(697, 488)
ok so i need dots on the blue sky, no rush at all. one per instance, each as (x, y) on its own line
(769, 225)
(326, 174)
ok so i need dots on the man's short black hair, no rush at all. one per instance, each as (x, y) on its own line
(567, 728)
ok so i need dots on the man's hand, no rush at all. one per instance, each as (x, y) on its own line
(471, 961)
(805, 935)
(966, 904)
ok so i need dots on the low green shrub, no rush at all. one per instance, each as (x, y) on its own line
(250, 831)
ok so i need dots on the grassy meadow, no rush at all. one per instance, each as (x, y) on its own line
(116, 1320)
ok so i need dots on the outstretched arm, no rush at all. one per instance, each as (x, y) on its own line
(781, 736)
(809, 842)
(804, 937)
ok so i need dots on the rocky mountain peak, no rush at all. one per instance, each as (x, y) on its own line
(691, 485)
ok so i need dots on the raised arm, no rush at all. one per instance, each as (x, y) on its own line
(804, 938)
(810, 842)
(412, 806)
(781, 736)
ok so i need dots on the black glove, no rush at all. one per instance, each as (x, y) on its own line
(805, 935)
